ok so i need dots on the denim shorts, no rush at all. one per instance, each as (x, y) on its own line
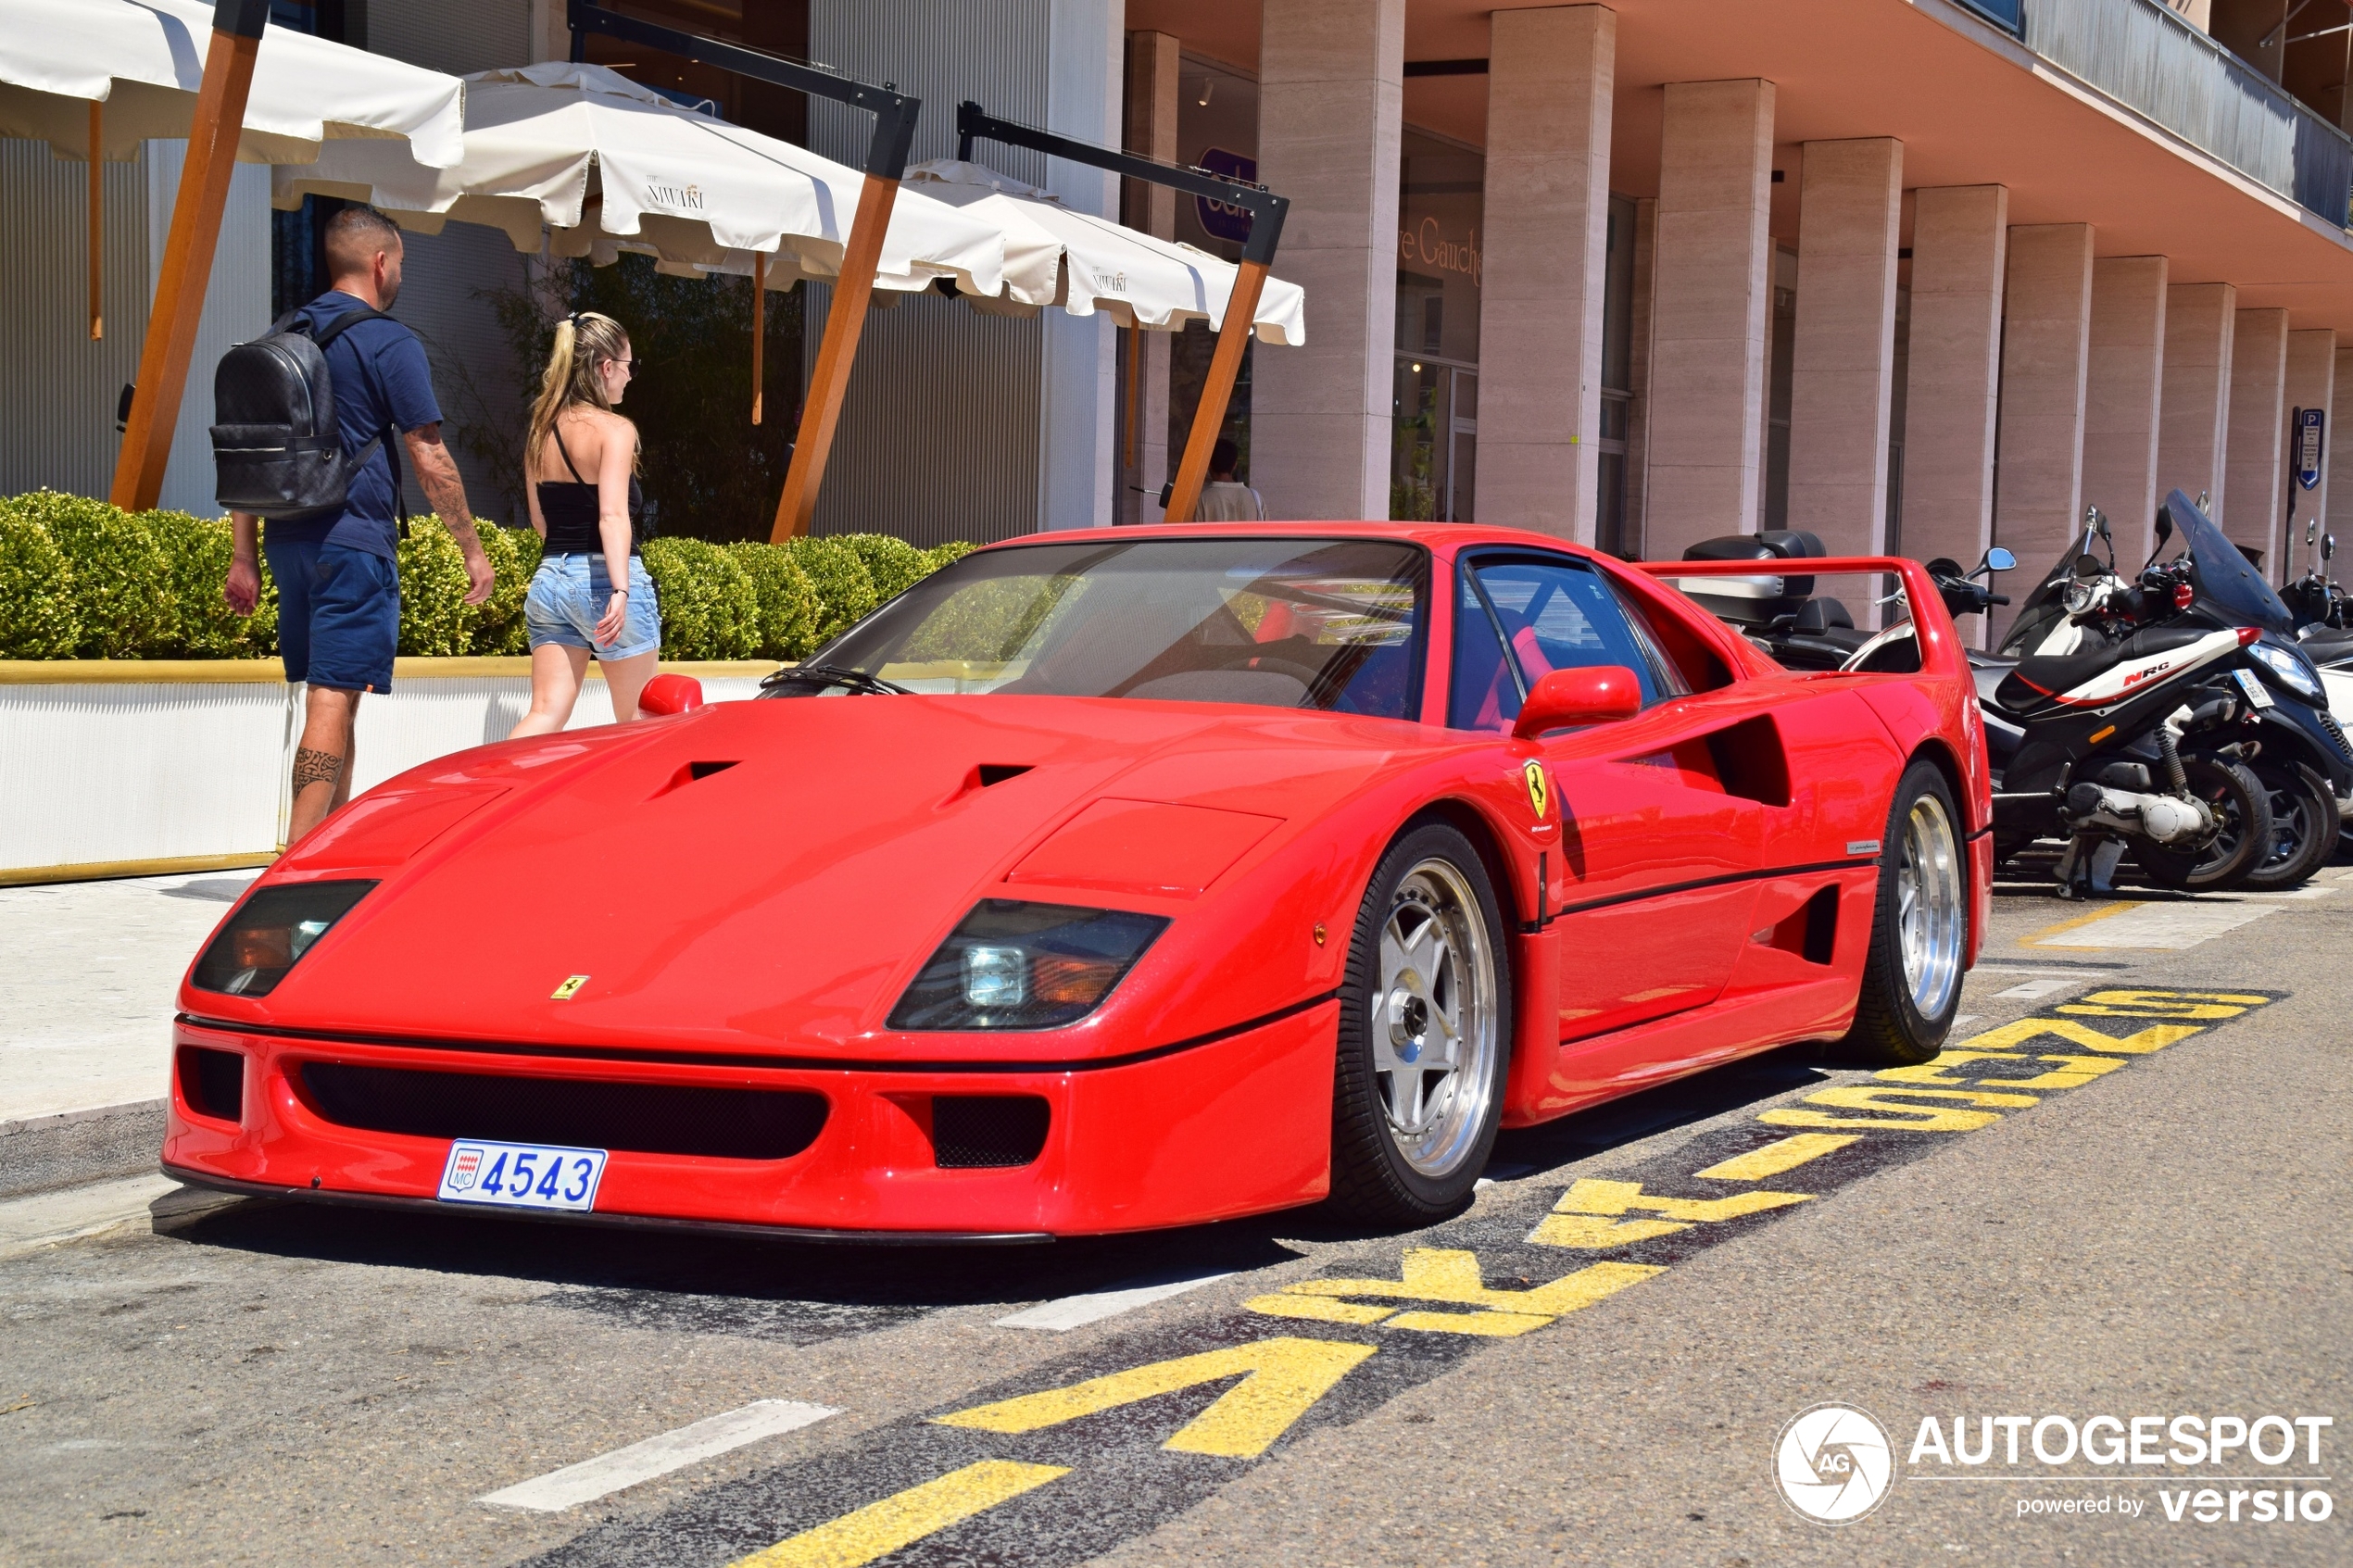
(569, 594)
(338, 614)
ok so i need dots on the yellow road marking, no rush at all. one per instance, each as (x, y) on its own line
(1432, 1274)
(2069, 1072)
(1782, 1154)
(2163, 1004)
(1581, 1217)
(2156, 1037)
(1899, 1113)
(1281, 1379)
(883, 1527)
(2102, 912)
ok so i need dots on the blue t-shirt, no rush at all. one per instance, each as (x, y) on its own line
(381, 380)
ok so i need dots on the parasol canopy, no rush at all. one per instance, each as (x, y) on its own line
(609, 164)
(145, 60)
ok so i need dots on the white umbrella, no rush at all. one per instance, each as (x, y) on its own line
(1056, 254)
(144, 60)
(609, 164)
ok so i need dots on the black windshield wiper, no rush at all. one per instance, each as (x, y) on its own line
(837, 675)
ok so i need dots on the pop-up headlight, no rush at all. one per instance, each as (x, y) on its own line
(1011, 965)
(269, 932)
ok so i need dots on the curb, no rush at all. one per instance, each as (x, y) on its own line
(44, 1152)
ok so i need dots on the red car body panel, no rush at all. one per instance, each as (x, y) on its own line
(751, 926)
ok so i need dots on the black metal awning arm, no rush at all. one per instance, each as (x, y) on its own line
(1265, 208)
(894, 111)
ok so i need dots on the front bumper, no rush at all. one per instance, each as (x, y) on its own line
(1237, 1125)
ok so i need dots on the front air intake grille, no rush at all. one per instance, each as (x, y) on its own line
(2328, 722)
(213, 1083)
(585, 1113)
(976, 1132)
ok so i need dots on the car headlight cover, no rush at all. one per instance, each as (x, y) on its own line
(269, 932)
(1012, 965)
(2289, 668)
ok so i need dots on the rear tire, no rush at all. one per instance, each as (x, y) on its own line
(1919, 929)
(2304, 825)
(1425, 1031)
(2245, 808)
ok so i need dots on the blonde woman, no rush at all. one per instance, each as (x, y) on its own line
(591, 594)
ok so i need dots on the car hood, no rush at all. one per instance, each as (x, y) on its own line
(766, 875)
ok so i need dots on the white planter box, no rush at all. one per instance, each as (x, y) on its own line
(135, 767)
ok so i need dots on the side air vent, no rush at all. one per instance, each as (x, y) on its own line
(990, 774)
(1810, 931)
(213, 1083)
(977, 1132)
(719, 1123)
(1750, 761)
(691, 774)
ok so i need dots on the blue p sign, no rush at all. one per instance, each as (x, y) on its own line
(2309, 423)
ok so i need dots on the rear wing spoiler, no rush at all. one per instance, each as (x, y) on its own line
(1941, 652)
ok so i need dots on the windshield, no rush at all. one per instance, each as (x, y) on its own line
(2222, 578)
(1330, 624)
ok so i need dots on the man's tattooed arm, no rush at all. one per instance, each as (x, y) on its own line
(315, 768)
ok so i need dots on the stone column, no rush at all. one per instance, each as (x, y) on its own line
(2311, 383)
(1077, 445)
(2338, 486)
(2193, 423)
(1544, 278)
(1711, 298)
(1332, 90)
(2047, 332)
(2121, 397)
(1843, 351)
(1638, 376)
(1960, 239)
(2258, 435)
(1150, 113)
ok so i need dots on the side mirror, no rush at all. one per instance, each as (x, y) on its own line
(670, 694)
(1999, 560)
(2328, 547)
(1595, 695)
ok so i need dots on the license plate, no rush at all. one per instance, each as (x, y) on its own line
(2252, 686)
(522, 1175)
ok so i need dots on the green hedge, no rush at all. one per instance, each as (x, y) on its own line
(80, 578)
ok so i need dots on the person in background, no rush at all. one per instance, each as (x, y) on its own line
(1223, 499)
(592, 593)
(338, 580)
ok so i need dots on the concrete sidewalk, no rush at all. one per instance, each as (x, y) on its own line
(85, 1016)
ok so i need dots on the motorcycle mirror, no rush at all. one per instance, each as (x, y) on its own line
(1999, 560)
(2328, 547)
(2311, 529)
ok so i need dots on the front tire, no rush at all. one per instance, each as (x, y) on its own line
(1424, 1029)
(2304, 826)
(1919, 929)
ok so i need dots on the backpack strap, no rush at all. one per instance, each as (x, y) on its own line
(386, 437)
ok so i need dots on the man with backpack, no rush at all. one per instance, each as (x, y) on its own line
(338, 585)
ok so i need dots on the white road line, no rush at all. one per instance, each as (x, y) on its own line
(1966, 1017)
(2027, 990)
(594, 1479)
(2161, 925)
(1076, 1311)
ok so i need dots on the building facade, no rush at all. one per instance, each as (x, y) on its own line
(1920, 275)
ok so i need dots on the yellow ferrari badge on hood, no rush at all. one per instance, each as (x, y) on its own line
(1540, 788)
(572, 983)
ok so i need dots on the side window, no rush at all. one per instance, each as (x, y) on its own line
(1482, 695)
(1552, 615)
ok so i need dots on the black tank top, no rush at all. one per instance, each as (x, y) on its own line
(570, 508)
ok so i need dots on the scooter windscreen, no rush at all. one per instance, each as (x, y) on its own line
(2223, 577)
(2047, 605)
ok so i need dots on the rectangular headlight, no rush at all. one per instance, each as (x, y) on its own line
(269, 932)
(1011, 965)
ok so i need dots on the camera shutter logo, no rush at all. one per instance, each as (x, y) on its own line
(1835, 1463)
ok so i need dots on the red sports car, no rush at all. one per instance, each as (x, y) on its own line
(1106, 881)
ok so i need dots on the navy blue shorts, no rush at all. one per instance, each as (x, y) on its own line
(338, 614)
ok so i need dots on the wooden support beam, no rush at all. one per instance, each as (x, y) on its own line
(97, 219)
(1209, 415)
(759, 327)
(187, 254)
(829, 381)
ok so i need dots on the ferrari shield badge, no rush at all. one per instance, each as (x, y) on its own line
(1540, 788)
(570, 988)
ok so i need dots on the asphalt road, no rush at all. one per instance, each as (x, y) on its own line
(2136, 1208)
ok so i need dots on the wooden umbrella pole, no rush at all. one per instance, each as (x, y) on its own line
(187, 253)
(759, 326)
(1225, 365)
(829, 380)
(97, 219)
(1135, 386)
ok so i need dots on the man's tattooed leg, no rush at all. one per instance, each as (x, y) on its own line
(315, 768)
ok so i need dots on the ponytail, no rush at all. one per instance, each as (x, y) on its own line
(583, 341)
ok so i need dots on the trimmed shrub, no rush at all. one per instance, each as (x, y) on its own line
(435, 621)
(891, 563)
(197, 552)
(845, 588)
(514, 555)
(940, 555)
(710, 609)
(36, 592)
(787, 602)
(121, 584)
